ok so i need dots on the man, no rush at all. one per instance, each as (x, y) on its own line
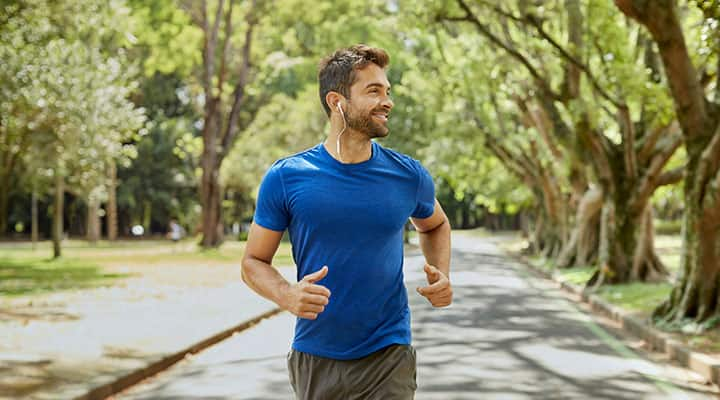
(345, 203)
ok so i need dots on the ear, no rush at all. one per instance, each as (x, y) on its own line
(332, 99)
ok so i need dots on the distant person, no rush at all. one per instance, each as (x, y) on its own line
(175, 231)
(345, 202)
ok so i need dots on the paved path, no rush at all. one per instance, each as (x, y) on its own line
(62, 345)
(507, 336)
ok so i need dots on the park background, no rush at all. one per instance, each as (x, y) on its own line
(590, 128)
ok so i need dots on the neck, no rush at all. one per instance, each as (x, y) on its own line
(355, 147)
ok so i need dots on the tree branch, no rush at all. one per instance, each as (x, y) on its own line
(660, 18)
(671, 177)
(628, 132)
(599, 150)
(649, 181)
(227, 45)
(565, 54)
(709, 162)
(485, 31)
(209, 47)
(538, 119)
(506, 158)
(239, 93)
(649, 141)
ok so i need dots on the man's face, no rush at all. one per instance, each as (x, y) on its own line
(369, 104)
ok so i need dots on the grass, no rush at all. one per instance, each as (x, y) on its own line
(636, 297)
(28, 276)
(576, 276)
(27, 271)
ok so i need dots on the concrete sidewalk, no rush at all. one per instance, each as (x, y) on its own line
(64, 345)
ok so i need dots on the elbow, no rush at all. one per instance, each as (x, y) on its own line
(443, 226)
(244, 269)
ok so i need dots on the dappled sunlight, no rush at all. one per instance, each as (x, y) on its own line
(251, 363)
(586, 365)
(508, 336)
(472, 278)
(115, 330)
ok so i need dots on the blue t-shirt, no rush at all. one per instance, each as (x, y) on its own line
(349, 217)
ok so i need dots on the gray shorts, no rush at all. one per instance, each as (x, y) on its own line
(387, 374)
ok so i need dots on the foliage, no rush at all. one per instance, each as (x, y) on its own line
(65, 85)
(284, 126)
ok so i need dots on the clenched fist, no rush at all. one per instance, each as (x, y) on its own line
(439, 290)
(305, 299)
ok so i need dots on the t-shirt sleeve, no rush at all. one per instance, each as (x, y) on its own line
(271, 211)
(425, 200)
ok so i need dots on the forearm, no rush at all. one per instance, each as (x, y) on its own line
(435, 246)
(265, 280)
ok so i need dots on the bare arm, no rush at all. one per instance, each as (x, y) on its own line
(434, 234)
(304, 299)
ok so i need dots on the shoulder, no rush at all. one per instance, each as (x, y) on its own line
(402, 160)
(298, 161)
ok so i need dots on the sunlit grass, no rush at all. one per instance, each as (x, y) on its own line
(28, 275)
(24, 270)
(640, 297)
(576, 276)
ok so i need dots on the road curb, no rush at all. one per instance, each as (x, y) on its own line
(708, 367)
(129, 379)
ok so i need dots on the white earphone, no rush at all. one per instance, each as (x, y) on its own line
(342, 131)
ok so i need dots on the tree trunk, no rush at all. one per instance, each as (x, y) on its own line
(58, 214)
(93, 221)
(582, 248)
(627, 251)
(210, 197)
(695, 296)
(220, 129)
(147, 216)
(34, 218)
(4, 203)
(111, 216)
(554, 233)
(465, 216)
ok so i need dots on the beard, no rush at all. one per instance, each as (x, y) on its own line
(364, 123)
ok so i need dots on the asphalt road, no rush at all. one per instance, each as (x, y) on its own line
(508, 335)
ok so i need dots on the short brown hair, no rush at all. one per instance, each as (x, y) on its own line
(337, 72)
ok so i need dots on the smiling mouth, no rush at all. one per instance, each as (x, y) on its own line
(381, 116)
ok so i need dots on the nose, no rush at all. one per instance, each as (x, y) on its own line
(387, 103)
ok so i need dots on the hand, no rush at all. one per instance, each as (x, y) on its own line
(439, 290)
(305, 299)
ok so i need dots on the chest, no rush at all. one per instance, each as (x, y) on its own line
(369, 201)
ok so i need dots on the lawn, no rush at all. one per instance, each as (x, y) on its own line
(25, 271)
(641, 298)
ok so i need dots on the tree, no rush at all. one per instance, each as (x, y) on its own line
(70, 98)
(220, 127)
(284, 126)
(696, 295)
(628, 160)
